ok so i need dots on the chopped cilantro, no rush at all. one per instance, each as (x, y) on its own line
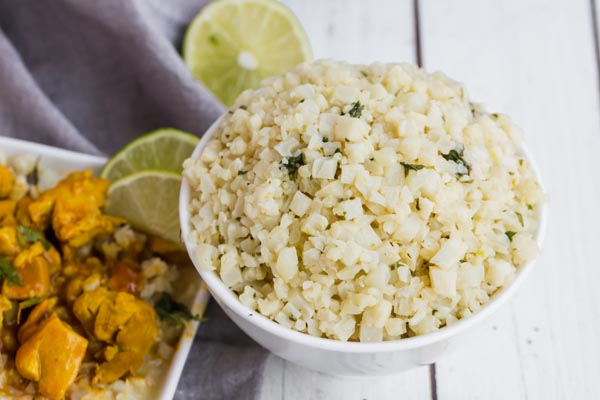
(29, 302)
(25, 305)
(473, 109)
(325, 139)
(396, 265)
(8, 272)
(411, 167)
(173, 312)
(456, 155)
(529, 207)
(356, 110)
(32, 236)
(242, 172)
(510, 235)
(291, 164)
(520, 218)
(22, 243)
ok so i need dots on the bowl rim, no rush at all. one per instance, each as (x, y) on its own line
(228, 298)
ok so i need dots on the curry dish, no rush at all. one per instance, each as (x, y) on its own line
(80, 292)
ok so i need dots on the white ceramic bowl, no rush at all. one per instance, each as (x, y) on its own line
(345, 358)
(63, 162)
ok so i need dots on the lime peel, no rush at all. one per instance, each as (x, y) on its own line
(232, 45)
(163, 149)
(148, 201)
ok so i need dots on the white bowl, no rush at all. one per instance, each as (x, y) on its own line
(345, 358)
(63, 162)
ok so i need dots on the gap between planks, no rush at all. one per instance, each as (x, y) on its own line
(419, 60)
(594, 12)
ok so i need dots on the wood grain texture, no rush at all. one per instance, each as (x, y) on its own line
(534, 60)
(354, 32)
(299, 383)
(537, 61)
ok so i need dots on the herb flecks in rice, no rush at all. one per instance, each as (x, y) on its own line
(397, 164)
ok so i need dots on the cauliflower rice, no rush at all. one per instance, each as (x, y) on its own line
(363, 203)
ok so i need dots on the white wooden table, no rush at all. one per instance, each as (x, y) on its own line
(536, 60)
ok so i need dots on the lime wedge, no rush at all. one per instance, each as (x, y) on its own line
(234, 44)
(148, 201)
(164, 149)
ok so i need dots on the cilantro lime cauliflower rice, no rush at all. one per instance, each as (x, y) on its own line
(363, 203)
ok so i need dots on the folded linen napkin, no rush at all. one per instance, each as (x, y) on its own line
(92, 75)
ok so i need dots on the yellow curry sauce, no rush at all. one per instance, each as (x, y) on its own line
(70, 295)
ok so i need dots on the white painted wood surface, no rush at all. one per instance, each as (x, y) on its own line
(535, 60)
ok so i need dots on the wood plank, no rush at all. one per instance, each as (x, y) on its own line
(534, 60)
(300, 383)
(471, 371)
(350, 30)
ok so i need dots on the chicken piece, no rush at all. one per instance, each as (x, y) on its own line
(8, 341)
(7, 182)
(22, 213)
(87, 304)
(122, 320)
(125, 277)
(36, 317)
(33, 268)
(9, 246)
(52, 356)
(5, 305)
(134, 339)
(54, 262)
(7, 212)
(74, 209)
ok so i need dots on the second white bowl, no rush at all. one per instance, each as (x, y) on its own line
(345, 358)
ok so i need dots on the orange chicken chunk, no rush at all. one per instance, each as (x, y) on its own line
(36, 317)
(9, 246)
(74, 207)
(7, 212)
(33, 268)
(121, 320)
(52, 357)
(7, 182)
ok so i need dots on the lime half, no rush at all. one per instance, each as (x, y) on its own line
(164, 149)
(234, 44)
(148, 200)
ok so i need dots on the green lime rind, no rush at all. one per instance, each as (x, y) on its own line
(226, 28)
(163, 149)
(148, 200)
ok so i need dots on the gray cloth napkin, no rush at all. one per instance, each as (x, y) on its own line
(91, 75)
